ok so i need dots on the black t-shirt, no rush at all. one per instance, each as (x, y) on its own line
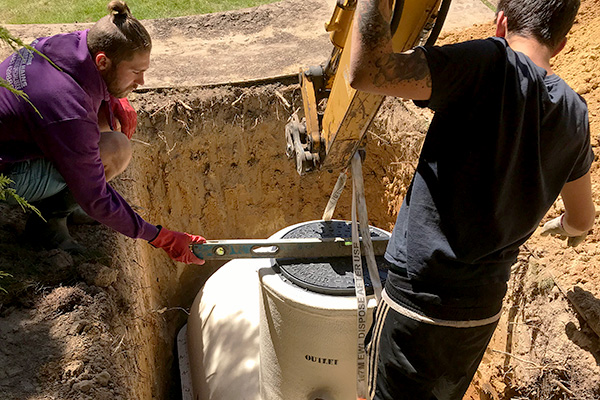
(504, 140)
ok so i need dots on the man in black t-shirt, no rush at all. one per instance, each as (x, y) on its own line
(508, 137)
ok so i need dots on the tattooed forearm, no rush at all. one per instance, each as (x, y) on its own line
(374, 29)
(374, 65)
(393, 68)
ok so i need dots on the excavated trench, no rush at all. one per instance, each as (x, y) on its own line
(211, 161)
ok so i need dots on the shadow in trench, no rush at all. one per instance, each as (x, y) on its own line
(54, 327)
(26, 349)
(587, 308)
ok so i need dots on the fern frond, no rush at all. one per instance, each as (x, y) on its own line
(15, 44)
(4, 182)
(4, 275)
(5, 192)
(18, 93)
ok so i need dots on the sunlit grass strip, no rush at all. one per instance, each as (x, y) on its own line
(71, 11)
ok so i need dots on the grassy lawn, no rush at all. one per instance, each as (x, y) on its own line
(68, 11)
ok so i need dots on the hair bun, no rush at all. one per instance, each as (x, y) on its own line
(118, 7)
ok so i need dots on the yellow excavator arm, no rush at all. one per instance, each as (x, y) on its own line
(336, 116)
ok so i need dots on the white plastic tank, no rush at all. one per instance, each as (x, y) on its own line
(269, 329)
(223, 335)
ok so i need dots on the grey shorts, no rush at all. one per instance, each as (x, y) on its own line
(35, 179)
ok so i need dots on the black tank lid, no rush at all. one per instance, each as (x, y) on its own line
(327, 275)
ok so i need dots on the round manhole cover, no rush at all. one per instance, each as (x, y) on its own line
(327, 275)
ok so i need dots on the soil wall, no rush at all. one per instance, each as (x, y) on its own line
(212, 162)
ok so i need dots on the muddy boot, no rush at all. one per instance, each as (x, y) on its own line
(80, 217)
(53, 233)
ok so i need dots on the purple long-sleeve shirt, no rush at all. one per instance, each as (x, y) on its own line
(67, 131)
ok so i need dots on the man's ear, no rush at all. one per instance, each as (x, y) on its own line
(102, 61)
(501, 25)
(559, 48)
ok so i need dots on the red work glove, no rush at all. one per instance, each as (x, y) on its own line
(125, 113)
(177, 245)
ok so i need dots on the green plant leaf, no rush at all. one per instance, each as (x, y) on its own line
(15, 44)
(4, 275)
(18, 93)
(6, 192)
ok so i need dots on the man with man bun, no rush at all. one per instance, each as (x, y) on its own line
(61, 154)
(508, 137)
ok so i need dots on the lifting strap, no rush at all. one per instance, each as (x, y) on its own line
(359, 207)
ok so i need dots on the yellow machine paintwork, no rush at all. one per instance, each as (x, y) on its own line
(309, 101)
(349, 112)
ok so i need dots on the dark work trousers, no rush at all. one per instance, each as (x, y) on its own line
(421, 359)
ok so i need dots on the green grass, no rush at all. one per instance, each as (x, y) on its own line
(69, 11)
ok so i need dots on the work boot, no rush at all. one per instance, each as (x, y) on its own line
(53, 233)
(80, 217)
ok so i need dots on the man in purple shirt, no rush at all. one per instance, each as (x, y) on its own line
(61, 153)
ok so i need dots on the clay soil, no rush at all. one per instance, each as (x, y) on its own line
(209, 159)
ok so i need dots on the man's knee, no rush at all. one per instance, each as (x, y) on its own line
(115, 153)
(34, 180)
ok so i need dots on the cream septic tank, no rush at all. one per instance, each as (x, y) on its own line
(277, 329)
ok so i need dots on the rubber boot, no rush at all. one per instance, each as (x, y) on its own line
(53, 233)
(80, 217)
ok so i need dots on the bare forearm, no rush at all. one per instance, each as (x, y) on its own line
(371, 43)
(374, 67)
(580, 220)
(372, 25)
(580, 211)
